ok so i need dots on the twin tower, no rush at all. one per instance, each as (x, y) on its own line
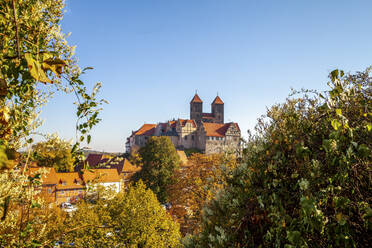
(196, 111)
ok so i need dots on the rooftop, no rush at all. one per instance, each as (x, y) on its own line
(196, 98)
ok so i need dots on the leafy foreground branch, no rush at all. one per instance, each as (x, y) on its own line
(35, 62)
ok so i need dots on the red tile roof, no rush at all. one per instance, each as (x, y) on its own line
(215, 129)
(146, 129)
(196, 98)
(94, 159)
(217, 100)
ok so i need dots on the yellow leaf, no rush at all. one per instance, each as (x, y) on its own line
(55, 65)
(339, 217)
(35, 69)
(283, 223)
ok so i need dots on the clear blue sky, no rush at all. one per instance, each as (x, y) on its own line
(151, 55)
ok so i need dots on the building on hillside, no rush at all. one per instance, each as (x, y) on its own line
(98, 161)
(49, 182)
(206, 132)
(108, 178)
(58, 187)
(69, 187)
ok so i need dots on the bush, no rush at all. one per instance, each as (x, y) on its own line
(306, 179)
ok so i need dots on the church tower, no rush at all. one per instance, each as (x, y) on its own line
(196, 109)
(218, 110)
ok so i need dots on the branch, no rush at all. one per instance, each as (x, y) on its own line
(16, 26)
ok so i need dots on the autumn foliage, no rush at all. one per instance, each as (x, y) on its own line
(306, 179)
(195, 183)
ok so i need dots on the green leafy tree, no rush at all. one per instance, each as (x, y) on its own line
(306, 179)
(134, 218)
(159, 161)
(35, 62)
(54, 152)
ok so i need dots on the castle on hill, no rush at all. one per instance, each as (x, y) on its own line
(206, 132)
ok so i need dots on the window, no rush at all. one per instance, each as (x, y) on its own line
(185, 137)
(49, 191)
(62, 192)
(192, 137)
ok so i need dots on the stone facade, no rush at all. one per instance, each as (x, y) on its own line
(206, 132)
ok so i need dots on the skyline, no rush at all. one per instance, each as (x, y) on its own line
(151, 56)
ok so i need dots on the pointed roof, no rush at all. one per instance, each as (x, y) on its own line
(217, 100)
(196, 98)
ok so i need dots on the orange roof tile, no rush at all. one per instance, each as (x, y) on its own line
(49, 177)
(101, 175)
(215, 129)
(196, 98)
(128, 167)
(146, 129)
(217, 100)
(69, 180)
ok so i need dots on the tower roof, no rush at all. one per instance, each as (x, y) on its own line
(196, 98)
(217, 100)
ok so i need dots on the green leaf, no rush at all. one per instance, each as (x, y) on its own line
(35, 205)
(88, 139)
(334, 74)
(294, 237)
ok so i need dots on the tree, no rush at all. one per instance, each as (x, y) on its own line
(195, 184)
(33, 52)
(54, 152)
(26, 221)
(306, 179)
(134, 218)
(159, 160)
